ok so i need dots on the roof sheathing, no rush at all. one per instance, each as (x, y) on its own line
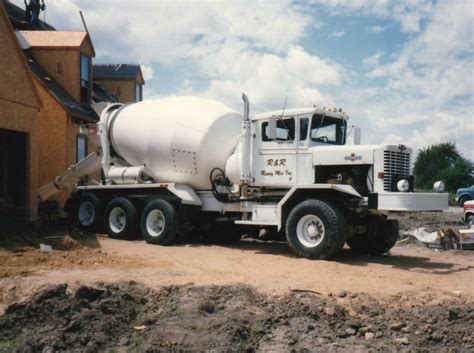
(53, 40)
(59, 93)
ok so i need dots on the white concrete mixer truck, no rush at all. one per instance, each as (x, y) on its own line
(175, 165)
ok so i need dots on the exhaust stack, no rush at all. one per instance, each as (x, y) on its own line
(245, 140)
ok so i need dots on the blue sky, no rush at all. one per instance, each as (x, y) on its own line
(403, 70)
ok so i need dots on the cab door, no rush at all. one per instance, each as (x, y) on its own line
(276, 162)
(305, 168)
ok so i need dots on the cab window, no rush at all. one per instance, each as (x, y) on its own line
(329, 130)
(285, 130)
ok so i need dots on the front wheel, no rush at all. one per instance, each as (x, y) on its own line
(316, 229)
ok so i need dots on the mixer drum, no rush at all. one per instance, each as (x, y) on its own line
(177, 139)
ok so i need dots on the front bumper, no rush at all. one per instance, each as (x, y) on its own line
(408, 201)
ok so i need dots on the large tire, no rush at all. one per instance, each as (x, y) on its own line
(316, 229)
(470, 221)
(463, 199)
(380, 237)
(158, 223)
(89, 213)
(121, 219)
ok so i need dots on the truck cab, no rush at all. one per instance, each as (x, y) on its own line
(284, 145)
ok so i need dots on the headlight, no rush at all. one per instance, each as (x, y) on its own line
(438, 186)
(403, 185)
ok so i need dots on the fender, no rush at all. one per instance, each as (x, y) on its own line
(331, 191)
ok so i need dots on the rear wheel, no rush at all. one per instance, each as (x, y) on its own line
(158, 223)
(89, 213)
(121, 218)
(380, 236)
(470, 221)
(316, 229)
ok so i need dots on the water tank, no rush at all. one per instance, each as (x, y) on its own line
(177, 139)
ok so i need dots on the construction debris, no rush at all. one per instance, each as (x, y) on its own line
(445, 239)
(45, 248)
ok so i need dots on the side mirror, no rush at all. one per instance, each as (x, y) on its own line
(272, 128)
(357, 135)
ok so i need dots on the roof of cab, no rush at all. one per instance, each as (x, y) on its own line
(301, 111)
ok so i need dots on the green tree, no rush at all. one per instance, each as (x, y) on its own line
(457, 175)
(441, 162)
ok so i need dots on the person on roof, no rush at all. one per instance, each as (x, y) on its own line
(32, 13)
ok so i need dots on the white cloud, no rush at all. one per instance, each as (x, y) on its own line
(436, 66)
(337, 34)
(376, 29)
(147, 72)
(429, 83)
(442, 127)
(373, 60)
(269, 78)
(236, 46)
(408, 13)
(166, 31)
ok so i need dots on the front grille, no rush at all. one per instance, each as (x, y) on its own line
(396, 166)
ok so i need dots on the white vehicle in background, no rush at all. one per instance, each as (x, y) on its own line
(176, 164)
(468, 207)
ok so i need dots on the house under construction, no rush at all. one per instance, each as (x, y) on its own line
(47, 84)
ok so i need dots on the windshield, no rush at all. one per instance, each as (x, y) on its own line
(329, 130)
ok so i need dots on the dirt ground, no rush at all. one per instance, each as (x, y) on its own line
(253, 295)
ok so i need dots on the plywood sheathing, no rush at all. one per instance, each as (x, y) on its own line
(56, 40)
(69, 74)
(59, 54)
(16, 84)
(55, 144)
(19, 104)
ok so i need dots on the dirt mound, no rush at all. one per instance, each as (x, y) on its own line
(28, 261)
(130, 317)
(27, 252)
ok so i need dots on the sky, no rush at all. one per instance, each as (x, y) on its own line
(402, 70)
